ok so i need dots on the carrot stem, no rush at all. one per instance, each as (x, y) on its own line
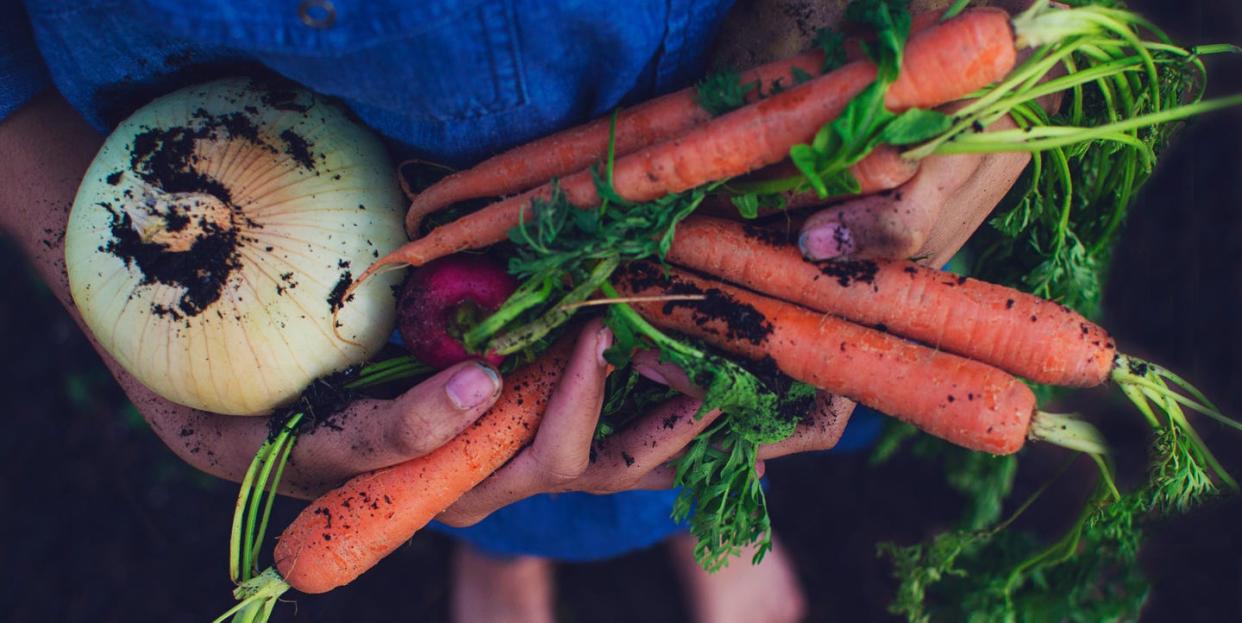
(1144, 384)
(281, 462)
(235, 535)
(1067, 431)
(637, 299)
(522, 337)
(272, 451)
(1046, 137)
(256, 597)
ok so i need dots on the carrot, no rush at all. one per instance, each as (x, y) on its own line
(1015, 331)
(349, 529)
(882, 169)
(574, 149)
(960, 400)
(939, 65)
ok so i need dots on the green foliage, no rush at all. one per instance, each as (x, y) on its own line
(955, 9)
(832, 44)
(722, 91)
(564, 254)
(720, 495)
(628, 395)
(1052, 236)
(1089, 574)
(1053, 233)
(889, 20)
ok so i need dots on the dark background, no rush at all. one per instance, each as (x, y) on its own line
(99, 522)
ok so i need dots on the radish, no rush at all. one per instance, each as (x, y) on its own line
(444, 299)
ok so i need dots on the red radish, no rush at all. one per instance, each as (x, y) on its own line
(442, 300)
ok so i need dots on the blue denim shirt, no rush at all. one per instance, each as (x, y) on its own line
(453, 80)
(449, 80)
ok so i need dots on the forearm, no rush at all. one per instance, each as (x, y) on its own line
(45, 148)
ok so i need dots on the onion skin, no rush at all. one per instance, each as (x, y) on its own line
(211, 233)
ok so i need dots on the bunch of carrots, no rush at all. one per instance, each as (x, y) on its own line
(939, 351)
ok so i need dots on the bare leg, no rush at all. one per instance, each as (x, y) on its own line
(742, 592)
(501, 590)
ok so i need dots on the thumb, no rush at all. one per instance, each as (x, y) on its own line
(433, 412)
(372, 434)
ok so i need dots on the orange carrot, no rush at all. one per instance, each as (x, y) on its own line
(962, 401)
(939, 65)
(1015, 331)
(574, 149)
(882, 169)
(349, 529)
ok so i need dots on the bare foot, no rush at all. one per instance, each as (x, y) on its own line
(742, 592)
(501, 590)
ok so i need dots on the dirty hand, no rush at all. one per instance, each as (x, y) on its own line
(565, 456)
(928, 218)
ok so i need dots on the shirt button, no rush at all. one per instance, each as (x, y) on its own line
(318, 14)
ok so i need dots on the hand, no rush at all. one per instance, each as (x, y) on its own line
(820, 430)
(367, 435)
(928, 218)
(564, 455)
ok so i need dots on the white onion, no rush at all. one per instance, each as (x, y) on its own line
(210, 233)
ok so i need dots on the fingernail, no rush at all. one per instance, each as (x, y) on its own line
(603, 341)
(826, 241)
(651, 373)
(472, 386)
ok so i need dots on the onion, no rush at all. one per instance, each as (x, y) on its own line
(214, 234)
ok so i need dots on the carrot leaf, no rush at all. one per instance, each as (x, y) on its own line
(1089, 573)
(832, 44)
(890, 19)
(954, 10)
(722, 91)
(915, 126)
(721, 496)
(1126, 87)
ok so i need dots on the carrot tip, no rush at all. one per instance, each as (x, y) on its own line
(385, 264)
(414, 217)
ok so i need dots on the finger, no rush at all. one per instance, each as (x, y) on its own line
(367, 435)
(820, 431)
(973, 200)
(622, 461)
(893, 224)
(561, 449)
(370, 434)
(647, 363)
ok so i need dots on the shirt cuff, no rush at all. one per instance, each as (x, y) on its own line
(22, 73)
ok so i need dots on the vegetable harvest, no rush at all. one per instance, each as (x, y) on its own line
(573, 235)
(602, 217)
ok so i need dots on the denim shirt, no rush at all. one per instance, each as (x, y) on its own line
(451, 80)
